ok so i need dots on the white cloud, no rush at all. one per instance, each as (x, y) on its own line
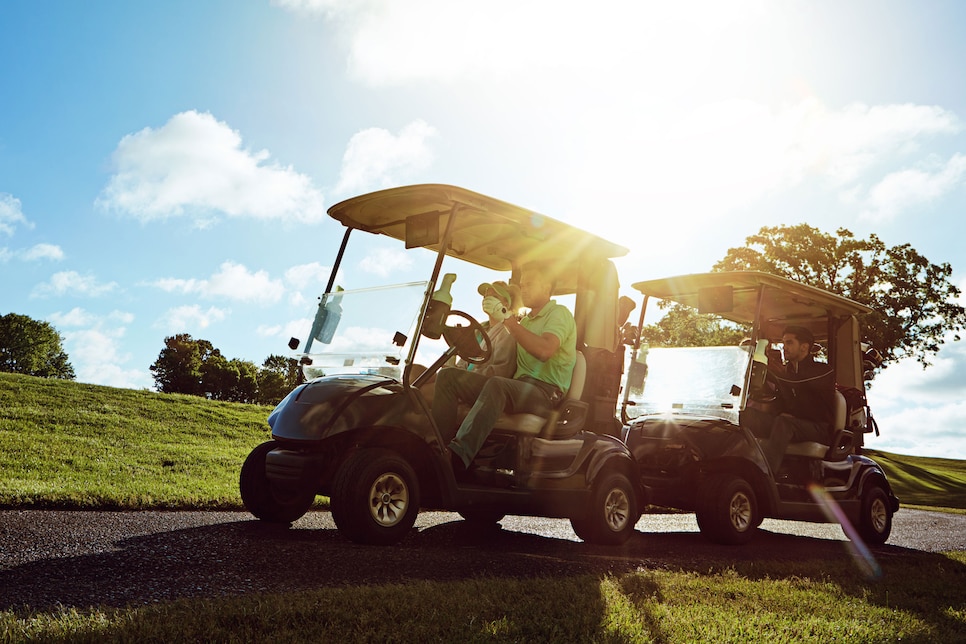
(905, 189)
(386, 261)
(35, 253)
(92, 344)
(326, 7)
(195, 165)
(73, 318)
(311, 274)
(72, 283)
(42, 251)
(298, 328)
(10, 214)
(233, 282)
(375, 158)
(921, 411)
(182, 319)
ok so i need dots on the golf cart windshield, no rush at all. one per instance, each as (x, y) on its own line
(365, 331)
(697, 381)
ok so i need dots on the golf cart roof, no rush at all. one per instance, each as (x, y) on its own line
(487, 232)
(733, 295)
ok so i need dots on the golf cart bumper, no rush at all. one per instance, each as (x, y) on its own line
(292, 467)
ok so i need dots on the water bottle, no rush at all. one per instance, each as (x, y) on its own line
(333, 313)
(439, 305)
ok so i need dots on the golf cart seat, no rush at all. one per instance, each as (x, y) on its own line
(841, 437)
(563, 422)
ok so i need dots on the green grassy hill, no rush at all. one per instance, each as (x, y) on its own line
(69, 445)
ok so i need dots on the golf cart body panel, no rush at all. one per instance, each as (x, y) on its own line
(683, 407)
(362, 423)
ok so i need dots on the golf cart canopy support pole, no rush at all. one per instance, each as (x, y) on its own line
(430, 288)
(320, 314)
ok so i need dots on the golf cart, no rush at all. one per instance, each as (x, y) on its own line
(682, 409)
(360, 430)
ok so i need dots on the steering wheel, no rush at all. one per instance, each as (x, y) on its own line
(471, 343)
(768, 391)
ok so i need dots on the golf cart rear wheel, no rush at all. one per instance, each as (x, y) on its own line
(612, 514)
(875, 524)
(728, 512)
(268, 500)
(375, 497)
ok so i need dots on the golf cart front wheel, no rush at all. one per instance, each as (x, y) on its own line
(375, 497)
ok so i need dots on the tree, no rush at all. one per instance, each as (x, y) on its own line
(682, 326)
(32, 347)
(180, 366)
(232, 380)
(914, 303)
(278, 376)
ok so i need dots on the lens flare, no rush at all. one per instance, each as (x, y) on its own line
(833, 512)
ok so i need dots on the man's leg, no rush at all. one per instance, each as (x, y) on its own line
(786, 429)
(498, 394)
(452, 386)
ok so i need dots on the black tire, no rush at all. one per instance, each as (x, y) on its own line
(482, 515)
(270, 501)
(875, 523)
(612, 514)
(728, 512)
(375, 497)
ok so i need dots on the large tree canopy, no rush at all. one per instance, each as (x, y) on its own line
(914, 303)
(32, 347)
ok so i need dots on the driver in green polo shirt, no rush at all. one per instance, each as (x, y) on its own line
(546, 354)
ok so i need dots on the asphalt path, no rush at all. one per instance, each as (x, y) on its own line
(81, 559)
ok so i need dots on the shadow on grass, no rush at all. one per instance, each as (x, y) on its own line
(242, 560)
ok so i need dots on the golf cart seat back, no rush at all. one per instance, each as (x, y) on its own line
(563, 422)
(841, 437)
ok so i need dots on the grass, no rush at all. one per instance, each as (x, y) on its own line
(71, 445)
(933, 483)
(916, 600)
(75, 446)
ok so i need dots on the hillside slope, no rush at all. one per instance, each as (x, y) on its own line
(69, 445)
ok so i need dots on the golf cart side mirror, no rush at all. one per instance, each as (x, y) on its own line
(293, 343)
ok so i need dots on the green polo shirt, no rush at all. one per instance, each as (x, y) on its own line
(559, 369)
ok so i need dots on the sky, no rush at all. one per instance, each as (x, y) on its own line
(166, 167)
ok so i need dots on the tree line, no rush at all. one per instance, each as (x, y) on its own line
(185, 365)
(195, 367)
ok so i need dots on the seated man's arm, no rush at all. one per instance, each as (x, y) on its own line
(541, 347)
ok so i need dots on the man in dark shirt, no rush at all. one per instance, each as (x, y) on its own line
(806, 395)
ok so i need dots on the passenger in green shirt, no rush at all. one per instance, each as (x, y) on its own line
(546, 354)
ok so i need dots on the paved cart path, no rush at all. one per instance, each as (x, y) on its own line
(119, 558)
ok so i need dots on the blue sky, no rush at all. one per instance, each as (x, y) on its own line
(166, 167)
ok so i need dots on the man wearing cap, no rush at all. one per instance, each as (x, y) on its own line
(546, 353)
(806, 395)
(500, 301)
